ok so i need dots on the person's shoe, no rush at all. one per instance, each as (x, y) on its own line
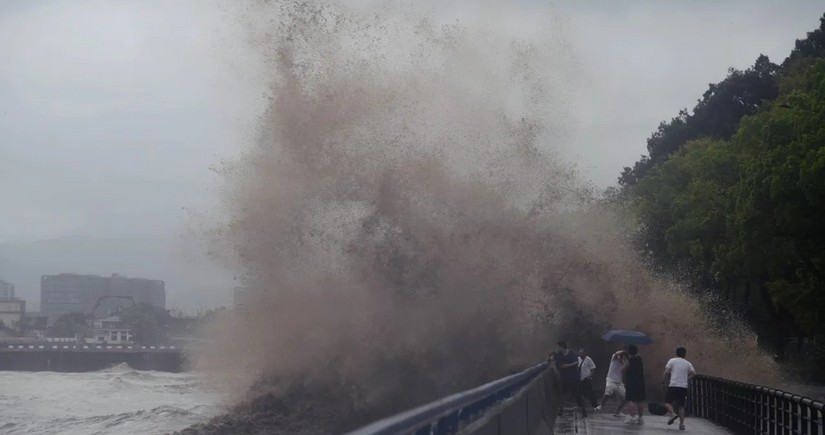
(619, 415)
(640, 421)
(681, 427)
(597, 409)
(672, 419)
(630, 420)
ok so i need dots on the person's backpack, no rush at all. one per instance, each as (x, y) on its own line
(656, 408)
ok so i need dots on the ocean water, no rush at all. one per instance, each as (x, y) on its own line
(118, 400)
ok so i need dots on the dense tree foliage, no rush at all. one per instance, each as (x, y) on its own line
(716, 115)
(148, 323)
(69, 325)
(733, 194)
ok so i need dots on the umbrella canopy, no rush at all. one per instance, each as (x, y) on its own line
(626, 336)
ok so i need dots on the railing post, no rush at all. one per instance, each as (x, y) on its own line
(805, 415)
(756, 411)
(775, 414)
(796, 411)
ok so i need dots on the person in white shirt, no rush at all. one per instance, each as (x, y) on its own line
(614, 384)
(586, 368)
(678, 372)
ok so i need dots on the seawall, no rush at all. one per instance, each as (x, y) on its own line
(64, 358)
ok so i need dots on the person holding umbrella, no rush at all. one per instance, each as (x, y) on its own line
(634, 378)
(635, 386)
(614, 383)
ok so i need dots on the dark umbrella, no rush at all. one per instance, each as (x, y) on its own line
(626, 336)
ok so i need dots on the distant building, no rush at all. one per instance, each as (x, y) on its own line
(67, 293)
(6, 290)
(111, 331)
(12, 312)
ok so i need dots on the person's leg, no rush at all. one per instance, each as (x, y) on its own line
(565, 393)
(570, 395)
(609, 391)
(639, 414)
(580, 399)
(631, 410)
(634, 395)
(621, 394)
(583, 384)
(672, 412)
(671, 405)
(590, 393)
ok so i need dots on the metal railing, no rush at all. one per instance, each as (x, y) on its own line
(456, 412)
(753, 409)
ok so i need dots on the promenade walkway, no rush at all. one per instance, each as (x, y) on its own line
(603, 423)
(527, 403)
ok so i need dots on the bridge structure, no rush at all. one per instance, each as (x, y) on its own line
(529, 403)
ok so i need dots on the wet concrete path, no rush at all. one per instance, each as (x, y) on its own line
(602, 423)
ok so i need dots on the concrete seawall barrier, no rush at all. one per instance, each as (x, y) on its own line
(92, 358)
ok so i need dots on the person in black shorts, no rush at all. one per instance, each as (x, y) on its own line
(678, 372)
(634, 384)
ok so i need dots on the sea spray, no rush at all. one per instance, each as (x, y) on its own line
(408, 228)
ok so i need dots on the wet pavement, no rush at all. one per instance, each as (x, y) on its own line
(602, 423)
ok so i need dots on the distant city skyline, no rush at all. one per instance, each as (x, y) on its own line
(6, 290)
(82, 293)
(192, 282)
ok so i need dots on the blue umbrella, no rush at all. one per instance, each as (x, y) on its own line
(626, 336)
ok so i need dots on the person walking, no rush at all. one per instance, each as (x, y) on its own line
(586, 375)
(614, 383)
(635, 386)
(678, 372)
(568, 365)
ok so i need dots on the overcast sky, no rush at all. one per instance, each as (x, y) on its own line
(111, 113)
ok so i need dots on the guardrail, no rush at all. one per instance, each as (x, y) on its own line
(457, 412)
(753, 409)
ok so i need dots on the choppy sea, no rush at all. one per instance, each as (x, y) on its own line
(118, 400)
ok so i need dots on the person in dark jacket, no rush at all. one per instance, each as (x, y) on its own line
(568, 362)
(634, 383)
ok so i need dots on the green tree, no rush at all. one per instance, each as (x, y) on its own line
(718, 113)
(743, 217)
(149, 324)
(780, 201)
(684, 203)
(69, 325)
